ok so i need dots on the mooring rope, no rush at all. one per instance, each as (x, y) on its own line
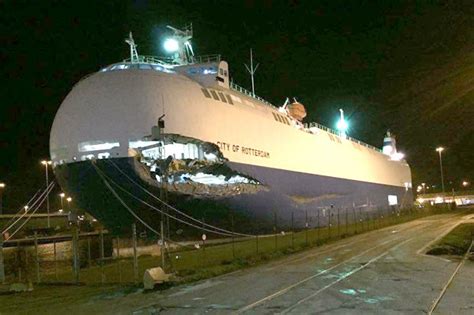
(175, 209)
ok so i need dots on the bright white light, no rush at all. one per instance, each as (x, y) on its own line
(60, 210)
(392, 200)
(171, 45)
(421, 200)
(342, 125)
(439, 149)
(397, 156)
(2, 185)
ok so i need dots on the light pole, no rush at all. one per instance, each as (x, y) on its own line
(440, 150)
(46, 164)
(62, 195)
(2, 186)
(424, 187)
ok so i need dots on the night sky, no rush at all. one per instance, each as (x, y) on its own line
(403, 65)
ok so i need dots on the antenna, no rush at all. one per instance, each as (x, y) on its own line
(133, 48)
(252, 71)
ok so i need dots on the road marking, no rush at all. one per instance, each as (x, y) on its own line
(284, 290)
(347, 275)
(443, 291)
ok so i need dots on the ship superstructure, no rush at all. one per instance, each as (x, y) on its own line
(182, 125)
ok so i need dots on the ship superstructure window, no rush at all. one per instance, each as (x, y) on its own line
(214, 95)
(88, 146)
(229, 99)
(280, 118)
(222, 97)
(206, 93)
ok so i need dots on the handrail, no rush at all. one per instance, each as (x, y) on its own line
(319, 126)
(242, 90)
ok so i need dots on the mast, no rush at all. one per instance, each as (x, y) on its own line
(133, 48)
(252, 71)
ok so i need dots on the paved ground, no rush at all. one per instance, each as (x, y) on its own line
(381, 272)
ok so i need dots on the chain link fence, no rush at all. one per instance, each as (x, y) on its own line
(95, 258)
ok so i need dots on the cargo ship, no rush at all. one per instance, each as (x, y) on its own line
(178, 128)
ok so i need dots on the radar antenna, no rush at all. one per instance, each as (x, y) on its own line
(133, 48)
(252, 71)
(185, 53)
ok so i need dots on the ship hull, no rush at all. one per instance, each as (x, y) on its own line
(289, 198)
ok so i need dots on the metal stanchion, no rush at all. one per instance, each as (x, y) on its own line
(306, 227)
(119, 266)
(75, 254)
(55, 258)
(102, 250)
(292, 230)
(37, 262)
(135, 257)
(2, 265)
(162, 247)
(275, 229)
(89, 258)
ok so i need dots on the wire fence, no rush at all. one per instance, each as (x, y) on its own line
(95, 258)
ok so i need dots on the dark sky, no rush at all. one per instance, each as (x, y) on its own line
(403, 65)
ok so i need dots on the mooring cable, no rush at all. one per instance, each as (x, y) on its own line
(161, 211)
(22, 209)
(31, 214)
(175, 209)
(28, 210)
(112, 190)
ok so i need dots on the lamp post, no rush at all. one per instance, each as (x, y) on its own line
(440, 150)
(2, 186)
(424, 187)
(62, 195)
(46, 164)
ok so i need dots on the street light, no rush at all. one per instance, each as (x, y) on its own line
(26, 208)
(46, 164)
(62, 195)
(2, 186)
(440, 150)
(424, 187)
(465, 183)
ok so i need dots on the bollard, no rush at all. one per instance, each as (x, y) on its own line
(37, 263)
(135, 258)
(2, 266)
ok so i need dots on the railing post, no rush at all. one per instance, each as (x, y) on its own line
(135, 257)
(306, 227)
(292, 230)
(75, 253)
(102, 254)
(119, 267)
(2, 266)
(55, 254)
(162, 247)
(37, 263)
